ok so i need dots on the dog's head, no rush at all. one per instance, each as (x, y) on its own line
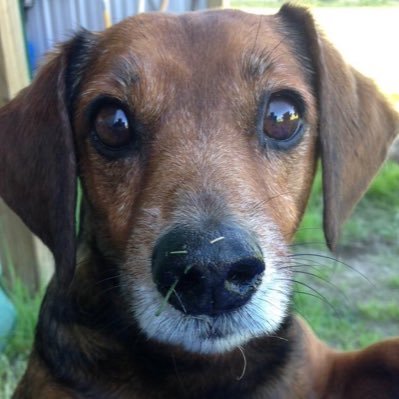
(196, 139)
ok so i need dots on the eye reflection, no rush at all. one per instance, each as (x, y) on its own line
(118, 120)
(282, 119)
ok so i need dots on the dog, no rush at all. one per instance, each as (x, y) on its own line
(195, 139)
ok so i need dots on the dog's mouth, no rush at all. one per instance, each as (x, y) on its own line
(262, 315)
(205, 334)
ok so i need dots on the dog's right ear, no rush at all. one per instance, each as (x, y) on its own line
(37, 155)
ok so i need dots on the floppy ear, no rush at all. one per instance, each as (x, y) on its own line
(37, 157)
(356, 124)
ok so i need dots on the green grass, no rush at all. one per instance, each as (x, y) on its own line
(27, 307)
(372, 219)
(345, 319)
(377, 311)
(338, 325)
(337, 320)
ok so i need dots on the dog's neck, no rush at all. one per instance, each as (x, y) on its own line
(91, 332)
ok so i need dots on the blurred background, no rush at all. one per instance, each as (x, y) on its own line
(350, 298)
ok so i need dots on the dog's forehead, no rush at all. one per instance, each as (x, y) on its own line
(215, 43)
(196, 31)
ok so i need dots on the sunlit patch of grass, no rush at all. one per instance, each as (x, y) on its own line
(27, 307)
(380, 311)
(334, 322)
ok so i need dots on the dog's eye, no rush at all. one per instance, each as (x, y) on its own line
(282, 118)
(111, 126)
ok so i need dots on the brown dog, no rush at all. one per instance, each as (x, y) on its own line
(196, 139)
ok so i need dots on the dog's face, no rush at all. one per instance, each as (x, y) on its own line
(197, 152)
(196, 139)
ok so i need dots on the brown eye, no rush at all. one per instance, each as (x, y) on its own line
(111, 126)
(282, 119)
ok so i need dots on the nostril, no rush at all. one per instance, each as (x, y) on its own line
(180, 282)
(244, 276)
(240, 277)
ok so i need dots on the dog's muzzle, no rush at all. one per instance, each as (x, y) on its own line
(208, 272)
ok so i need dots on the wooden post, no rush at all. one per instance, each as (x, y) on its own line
(19, 249)
(14, 67)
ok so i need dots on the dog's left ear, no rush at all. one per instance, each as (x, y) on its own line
(37, 157)
(356, 124)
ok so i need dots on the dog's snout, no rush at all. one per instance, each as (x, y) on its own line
(207, 273)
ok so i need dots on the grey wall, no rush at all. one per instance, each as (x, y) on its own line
(48, 22)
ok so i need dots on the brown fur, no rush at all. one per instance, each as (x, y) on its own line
(193, 85)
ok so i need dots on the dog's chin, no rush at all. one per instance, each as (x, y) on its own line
(202, 334)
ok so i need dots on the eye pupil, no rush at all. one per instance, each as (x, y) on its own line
(111, 126)
(282, 119)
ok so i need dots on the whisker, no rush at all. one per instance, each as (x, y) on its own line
(341, 292)
(317, 294)
(109, 289)
(334, 260)
(98, 282)
(244, 367)
(278, 337)
(319, 297)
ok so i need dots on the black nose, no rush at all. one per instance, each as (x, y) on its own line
(210, 272)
